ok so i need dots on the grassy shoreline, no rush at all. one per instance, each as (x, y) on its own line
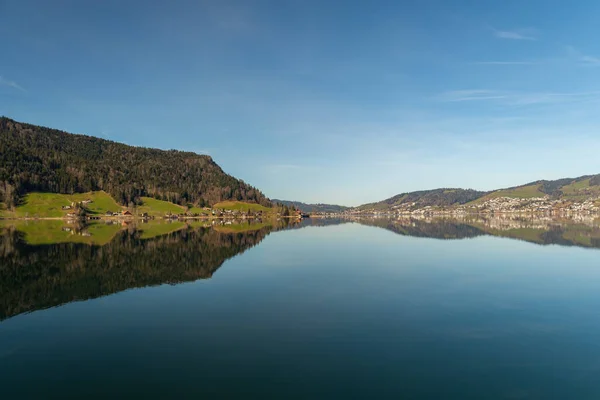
(101, 206)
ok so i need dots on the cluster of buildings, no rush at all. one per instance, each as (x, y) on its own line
(534, 205)
(498, 205)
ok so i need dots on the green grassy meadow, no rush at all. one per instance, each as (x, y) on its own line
(199, 211)
(101, 202)
(158, 208)
(50, 205)
(522, 192)
(241, 206)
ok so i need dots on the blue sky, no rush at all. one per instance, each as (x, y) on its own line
(320, 101)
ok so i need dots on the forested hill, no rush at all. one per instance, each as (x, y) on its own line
(308, 208)
(34, 158)
(435, 197)
(582, 188)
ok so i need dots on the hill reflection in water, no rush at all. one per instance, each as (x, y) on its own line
(47, 264)
(47, 274)
(583, 231)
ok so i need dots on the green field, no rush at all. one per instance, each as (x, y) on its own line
(42, 205)
(158, 208)
(49, 205)
(101, 202)
(522, 192)
(241, 206)
(198, 210)
(580, 190)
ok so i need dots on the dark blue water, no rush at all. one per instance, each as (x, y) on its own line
(344, 311)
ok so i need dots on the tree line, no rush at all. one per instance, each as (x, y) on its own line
(34, 158)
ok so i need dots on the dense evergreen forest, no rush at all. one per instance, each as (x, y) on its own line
(34, 158)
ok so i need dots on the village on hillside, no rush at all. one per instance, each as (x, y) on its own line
(499, 205)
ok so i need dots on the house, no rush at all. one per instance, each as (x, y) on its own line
(126, 213)
(144, 215)
(66, 207)
(109, 213)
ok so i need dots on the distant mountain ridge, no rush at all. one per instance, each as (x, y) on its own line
(35, 158)
(308, 208)
(576, 189)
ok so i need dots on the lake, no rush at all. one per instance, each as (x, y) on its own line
(412, 308)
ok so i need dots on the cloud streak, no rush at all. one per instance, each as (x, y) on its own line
(590, 61)
(584, 60)
(505, 63)
(516, 98)
(470, 95)
(12, 84)
(516, 34)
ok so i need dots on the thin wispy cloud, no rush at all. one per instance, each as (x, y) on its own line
(470, 95)
(590, 61)
(584, 60)
(12, 84)
(505, 63)
(516, 34)
(516, 98)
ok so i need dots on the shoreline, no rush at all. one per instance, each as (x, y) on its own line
(132, 218)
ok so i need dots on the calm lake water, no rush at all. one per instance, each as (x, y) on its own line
(412, 309)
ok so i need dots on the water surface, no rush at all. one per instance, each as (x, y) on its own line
(410, 308)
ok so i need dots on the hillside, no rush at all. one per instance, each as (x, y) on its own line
(424, 198)
(308, 208)
(39, 159)
(578, 189)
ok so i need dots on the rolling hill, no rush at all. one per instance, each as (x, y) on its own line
(308, 208)
(574, 189)
(39, 159)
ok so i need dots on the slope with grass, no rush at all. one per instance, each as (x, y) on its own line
(521, 192)
(241, 206)
(425, 198)
(158, 208)
(200, 211)
(569, 189)
(50, 205)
